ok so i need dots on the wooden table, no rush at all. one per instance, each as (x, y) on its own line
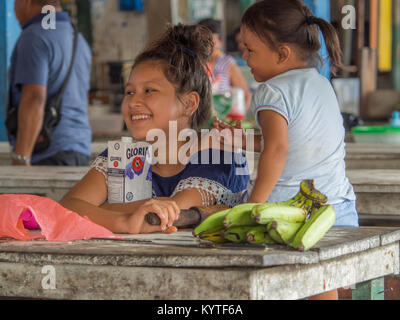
(179, 266)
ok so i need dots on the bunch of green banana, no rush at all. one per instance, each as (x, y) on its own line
(283, 232)
(259, 236)
(215, 236)
(240, 216)
(315, 228)
(308, 190)
(299, 222)
(212, 224)
(239, 234)
(265, 213)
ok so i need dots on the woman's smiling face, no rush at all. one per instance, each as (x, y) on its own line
(150, 101)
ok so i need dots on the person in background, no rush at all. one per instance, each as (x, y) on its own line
(225, 71)
(296, 109)
(39, 66)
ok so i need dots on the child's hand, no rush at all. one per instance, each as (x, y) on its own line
(167, 211)
(229, 139)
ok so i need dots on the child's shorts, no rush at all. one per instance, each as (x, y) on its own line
(346, 214)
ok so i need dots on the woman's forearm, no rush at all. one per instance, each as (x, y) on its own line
(127, 207)
(114, 221)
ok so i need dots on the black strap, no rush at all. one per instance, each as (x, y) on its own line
(60, 94)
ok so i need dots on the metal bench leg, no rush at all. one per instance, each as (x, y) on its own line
(370, 290)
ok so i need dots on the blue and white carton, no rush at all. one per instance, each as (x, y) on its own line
(129, 171)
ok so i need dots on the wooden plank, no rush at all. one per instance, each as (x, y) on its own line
(346, 241)
(370, 290)
(360, 32)
(374, 24)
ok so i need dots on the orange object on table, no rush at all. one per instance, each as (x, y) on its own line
(56, 222)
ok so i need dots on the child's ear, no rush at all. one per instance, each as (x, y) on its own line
(192, 101)
(284, 53)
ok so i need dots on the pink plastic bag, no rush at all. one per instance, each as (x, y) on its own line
(20, 212)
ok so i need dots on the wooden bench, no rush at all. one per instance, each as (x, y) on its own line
(372, 156)
(52, 182)
(359, 156)
(160, 266)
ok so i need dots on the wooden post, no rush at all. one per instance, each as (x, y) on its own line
(360, 32)
(369, 61)
(346, 37)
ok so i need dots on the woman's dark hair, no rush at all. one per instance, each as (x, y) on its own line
(183, 51)
(292, 22)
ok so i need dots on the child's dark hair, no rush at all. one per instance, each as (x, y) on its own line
(215, 26)
(183, 51)
(292, 22)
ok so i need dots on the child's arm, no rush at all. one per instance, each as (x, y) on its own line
(273, 158)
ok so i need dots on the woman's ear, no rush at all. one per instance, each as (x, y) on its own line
(192, 101)
(284, 53)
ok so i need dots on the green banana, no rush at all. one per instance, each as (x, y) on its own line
(215, 237)
(259, 236)
(282, 231)
(308, 205)
(240, 216)
(275, 236)
(265, 213)
(212, 223)
(315, 228)
(237, 234)
(307, 188)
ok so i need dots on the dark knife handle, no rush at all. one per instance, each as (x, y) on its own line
(187, 218)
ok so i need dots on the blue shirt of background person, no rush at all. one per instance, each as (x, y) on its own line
(43, 57)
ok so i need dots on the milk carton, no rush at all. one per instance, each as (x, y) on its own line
(129, 171)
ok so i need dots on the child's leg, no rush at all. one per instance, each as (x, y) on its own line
(330, 295)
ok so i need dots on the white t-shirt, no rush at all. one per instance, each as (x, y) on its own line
(308, 102)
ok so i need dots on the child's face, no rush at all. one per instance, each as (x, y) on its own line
(150, 101)
(262, 60)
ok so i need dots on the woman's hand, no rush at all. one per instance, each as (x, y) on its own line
(237, 136)
(167, 211)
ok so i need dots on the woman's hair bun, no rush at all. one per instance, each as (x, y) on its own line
(195, 40)
(184, 51)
